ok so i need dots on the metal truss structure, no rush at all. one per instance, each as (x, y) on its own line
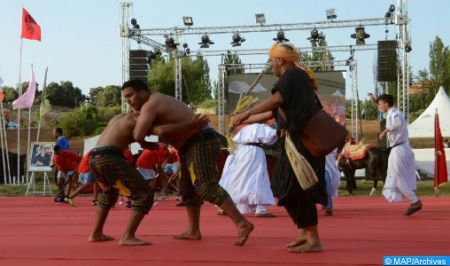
(399, 19)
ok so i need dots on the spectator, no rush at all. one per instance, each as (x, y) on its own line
(85, 178)
(148, 163)
(66, 163)
(62, 142)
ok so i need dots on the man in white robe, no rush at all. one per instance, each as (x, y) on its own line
(401, 172)
(332, 179)
(245, 175)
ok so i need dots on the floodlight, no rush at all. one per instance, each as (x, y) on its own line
(331, 13)
(188, 21)
(260, 19)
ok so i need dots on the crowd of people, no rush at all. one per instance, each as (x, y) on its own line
(189, 152)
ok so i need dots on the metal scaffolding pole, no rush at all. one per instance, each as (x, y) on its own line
(125, 34)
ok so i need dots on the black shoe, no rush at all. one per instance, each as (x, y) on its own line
(413, 208)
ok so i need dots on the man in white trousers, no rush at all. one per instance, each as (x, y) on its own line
(401, 172)
(245, 175)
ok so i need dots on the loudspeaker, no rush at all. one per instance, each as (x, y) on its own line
(387, 61)
(139, 65)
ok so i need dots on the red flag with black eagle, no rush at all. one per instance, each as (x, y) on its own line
(30, 29)
(440, 164)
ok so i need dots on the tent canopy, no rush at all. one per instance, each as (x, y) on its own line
(423, 126)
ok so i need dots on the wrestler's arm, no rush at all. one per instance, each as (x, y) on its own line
(198, 122)
(271, 103)
(145, 120)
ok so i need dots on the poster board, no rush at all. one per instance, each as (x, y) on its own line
(41, 156)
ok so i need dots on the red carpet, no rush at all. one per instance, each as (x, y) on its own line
(35, 231)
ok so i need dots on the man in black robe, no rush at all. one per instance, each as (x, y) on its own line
(293, 101)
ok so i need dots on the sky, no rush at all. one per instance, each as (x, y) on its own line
(81, 42)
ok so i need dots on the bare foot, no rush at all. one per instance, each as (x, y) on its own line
(296, 242)
(133, 242)
(245, 228)
(306, 247)
(188, 235)
(98, 238)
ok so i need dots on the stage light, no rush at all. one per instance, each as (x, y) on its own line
(315, 36)
(260, 19)
(349, 61)
(331, 13)
(392, 8)
(135, 24)
(280, 37)
(237, 39)
(185, 50)
(205, 41)
(188, 21)
(390, 12)
(170, 42)
(408, 48)
(360, 35)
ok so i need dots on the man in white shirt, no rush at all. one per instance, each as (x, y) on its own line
(401, 177)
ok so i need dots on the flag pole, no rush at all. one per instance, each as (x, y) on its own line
(6, 142)
(18, 111)
(3, 146)
(436, 168)
(44, 96)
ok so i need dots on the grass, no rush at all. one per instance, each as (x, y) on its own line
(424, 188)
(19, 190)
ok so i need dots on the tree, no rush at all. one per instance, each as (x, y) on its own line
(107, 97)
(64, 94)
(233, 59)
(10, 94)
(319, 54)
(196, 85)
(93, 94)
(439, 65)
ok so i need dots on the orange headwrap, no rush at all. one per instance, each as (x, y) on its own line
(289, 53)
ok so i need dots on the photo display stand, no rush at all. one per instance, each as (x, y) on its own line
(40, 161)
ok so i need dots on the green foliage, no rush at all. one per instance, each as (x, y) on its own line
(439, 64)
(64, 94)
(209, 104)
(233, 59)
(196, 82)
(369, 109)
(10, 94)
(319, 55)
(106, 97)
(86, 120)
(82, 121)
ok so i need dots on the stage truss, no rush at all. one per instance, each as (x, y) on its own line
(399, 19)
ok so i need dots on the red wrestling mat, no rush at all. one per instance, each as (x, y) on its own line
(35, 231)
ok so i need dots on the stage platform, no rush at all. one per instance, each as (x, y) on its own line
(36, 231)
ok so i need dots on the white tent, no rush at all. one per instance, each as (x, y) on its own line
(423, 126)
